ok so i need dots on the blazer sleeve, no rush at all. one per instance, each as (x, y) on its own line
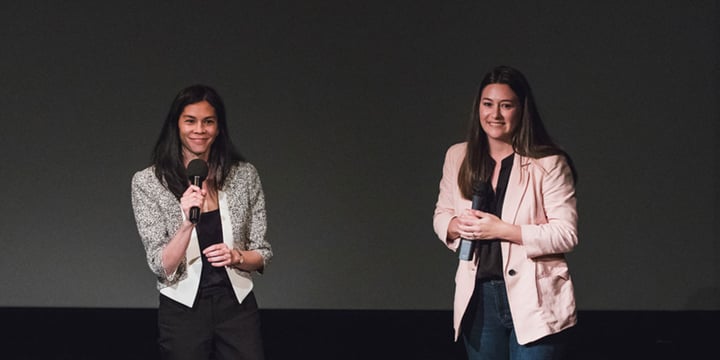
(556, 233)
(151, 227)
(258, 218)
(448, 191)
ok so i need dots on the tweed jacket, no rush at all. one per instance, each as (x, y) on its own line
(158, 216)
(540, 197)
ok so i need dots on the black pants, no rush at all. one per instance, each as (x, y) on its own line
(216, 328)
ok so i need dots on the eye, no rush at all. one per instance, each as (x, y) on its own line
(487, 104)
(507, 106)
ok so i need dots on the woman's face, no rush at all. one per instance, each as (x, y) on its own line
(499, 112)
(198, 129)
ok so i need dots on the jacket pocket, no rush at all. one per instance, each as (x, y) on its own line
(553, 280)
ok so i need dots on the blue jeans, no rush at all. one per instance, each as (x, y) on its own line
(488, 332)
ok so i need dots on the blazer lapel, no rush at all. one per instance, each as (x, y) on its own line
(516, 190)
(225, 219)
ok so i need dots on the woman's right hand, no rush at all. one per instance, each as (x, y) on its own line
(174, 251)
(193, 196)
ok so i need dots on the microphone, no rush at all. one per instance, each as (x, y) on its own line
(197, 171)
(481, 200)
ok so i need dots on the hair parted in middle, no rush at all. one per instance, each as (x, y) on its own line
(529, 139)
(167, 155)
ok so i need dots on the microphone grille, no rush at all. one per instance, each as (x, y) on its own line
(197, 167)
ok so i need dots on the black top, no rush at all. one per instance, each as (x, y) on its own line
(488, 251)
(209, 232)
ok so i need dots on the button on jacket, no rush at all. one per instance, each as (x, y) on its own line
(541, 199)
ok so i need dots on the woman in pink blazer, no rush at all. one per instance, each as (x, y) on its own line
(514, 296)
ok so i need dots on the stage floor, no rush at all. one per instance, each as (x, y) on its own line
(74, 334)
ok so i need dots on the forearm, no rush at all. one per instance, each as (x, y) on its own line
(247, 260)
(174, 252)
(510, 232)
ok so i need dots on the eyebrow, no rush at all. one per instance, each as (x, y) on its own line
(501, 100)
(193, 117)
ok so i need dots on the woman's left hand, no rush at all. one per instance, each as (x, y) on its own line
(479, 225)
(487, 226)
(218, 255)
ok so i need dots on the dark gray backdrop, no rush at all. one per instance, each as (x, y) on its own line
(346, 109)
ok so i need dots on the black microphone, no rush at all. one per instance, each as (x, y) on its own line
(481, 200)
(197, 171)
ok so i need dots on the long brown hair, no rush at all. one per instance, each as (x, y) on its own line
(530, 138)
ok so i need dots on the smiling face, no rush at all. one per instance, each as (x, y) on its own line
(499, 112)
(198, 128)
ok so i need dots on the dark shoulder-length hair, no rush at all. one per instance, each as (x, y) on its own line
(167, 156)
(529, 139)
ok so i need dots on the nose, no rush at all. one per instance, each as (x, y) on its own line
(199, 127)
(498, 113)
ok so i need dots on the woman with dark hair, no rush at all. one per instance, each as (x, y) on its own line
(203, 266)
(514, 297)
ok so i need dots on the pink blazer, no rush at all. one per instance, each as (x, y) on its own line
(540, 198)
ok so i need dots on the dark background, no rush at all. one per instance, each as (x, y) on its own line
(346, 108)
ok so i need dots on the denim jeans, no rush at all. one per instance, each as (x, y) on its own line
(488, 332)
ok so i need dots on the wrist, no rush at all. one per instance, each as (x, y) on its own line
(238, 258)
(452, 230)
(187, 224)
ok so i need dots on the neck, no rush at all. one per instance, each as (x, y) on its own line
(500, 150)
(189, 156)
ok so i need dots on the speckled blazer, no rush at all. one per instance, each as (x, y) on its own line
(158, 216)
